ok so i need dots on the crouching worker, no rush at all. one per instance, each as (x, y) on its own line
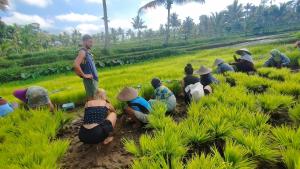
(163, 94)
(206, 77)
(277, 60)
(99, 120)
(223, 67)
(245, 63)
(137, 108)
(34, 97)
(5, 107)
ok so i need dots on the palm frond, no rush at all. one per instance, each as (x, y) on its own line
(152, 4)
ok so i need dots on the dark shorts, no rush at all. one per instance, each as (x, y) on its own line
(97, 134)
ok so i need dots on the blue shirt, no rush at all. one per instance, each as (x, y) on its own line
(142, 102)
(5, 109)
(88, 66)
(162, 93)
(224, 67)
(208, 79)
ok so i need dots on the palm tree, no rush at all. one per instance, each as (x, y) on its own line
(168, 4)
(3, 4)
(175, 23)
(138, 23)
(187, 27)
(106, 40)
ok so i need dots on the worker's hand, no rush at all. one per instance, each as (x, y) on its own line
(88, 76)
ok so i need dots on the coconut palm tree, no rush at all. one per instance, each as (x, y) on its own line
(3, 4)
(168, 4)
(138, 24)
(106, 40)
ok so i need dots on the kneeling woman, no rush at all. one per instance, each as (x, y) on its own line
(99, 120)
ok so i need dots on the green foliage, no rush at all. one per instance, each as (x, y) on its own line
(26, 139)
(258, 146)
(270, 102)
(287, 137)
(207, 162)
(294, 114)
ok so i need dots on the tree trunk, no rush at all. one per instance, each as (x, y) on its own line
(106, 40)
(168, 26)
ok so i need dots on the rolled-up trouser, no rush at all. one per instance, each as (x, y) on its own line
(141, 116)
(91, 87)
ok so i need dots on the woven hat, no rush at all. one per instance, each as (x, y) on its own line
(218, 61)
(127, 94)
(203, 70)
(239, 52)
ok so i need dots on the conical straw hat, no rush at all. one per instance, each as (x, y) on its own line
(127, 94)
(218, 61)
(203, 70)
(243, 50)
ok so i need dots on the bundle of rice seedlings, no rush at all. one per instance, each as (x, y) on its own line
(291, 158)
(207, 162)
(270, 102)
(294, 113)
(287, 137)
(236, 156)
(257, 145)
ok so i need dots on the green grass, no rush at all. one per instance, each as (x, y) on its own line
(234, 115)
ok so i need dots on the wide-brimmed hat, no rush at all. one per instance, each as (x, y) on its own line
(203, 70)
(218, 61)
(127, 94)
(239, 52)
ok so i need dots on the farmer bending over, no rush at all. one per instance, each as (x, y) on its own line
(137, 107)
(206, 77)
(245, 62)
(34, 97)
(85, 68)
(223, 67)
(99, 120)
(277, 60)
(163, 94)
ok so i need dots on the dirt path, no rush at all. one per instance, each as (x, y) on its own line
(112, 156)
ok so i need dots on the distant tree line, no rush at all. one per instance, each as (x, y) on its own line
(236, 19)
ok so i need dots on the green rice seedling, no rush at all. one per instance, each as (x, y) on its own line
(207, 162)
(158, 119)
(294, 113)
(218, 127)
(270, 102)
(146, 91)
(291, 158)
(174, 86)
(165, 143)
(257, 145)
(194, 132)
(255, 122)
(289, 88)
(283, 74)
(159, 162)
(287, 137)
(236, 156)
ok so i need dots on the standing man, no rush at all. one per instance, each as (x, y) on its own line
(85, 68)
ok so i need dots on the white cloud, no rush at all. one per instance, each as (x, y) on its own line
(94, 1)
(38, 3)
(75, 17)
(22, 19)
(123, 23)
(86, 28)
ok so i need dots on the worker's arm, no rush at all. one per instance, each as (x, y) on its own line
(285, 61)
(77, 68)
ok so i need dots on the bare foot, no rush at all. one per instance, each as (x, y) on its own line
(108, 140)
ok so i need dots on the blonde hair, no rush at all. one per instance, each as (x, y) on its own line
(100, 94)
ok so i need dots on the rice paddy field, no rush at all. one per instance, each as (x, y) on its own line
(250, 121)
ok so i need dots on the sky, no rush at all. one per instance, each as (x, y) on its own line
(56, 16)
